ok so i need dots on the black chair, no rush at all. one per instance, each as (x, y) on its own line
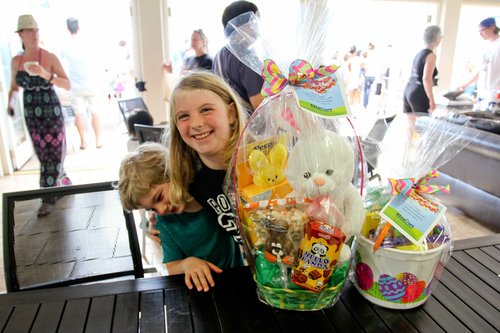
(147, 133)
(87, 237)
(370, 144)
(128, 106)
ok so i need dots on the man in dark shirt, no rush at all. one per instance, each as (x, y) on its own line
(244, 81)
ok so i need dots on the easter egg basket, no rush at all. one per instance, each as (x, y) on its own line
(301, 299)
(289, 274)
(396, 279)
(297, 176)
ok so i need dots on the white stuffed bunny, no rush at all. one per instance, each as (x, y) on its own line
(321, 167)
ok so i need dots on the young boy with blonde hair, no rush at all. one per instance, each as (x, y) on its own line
(192, 243)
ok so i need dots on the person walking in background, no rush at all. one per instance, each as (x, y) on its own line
(37, 71)
(418, 94)
(84, 74)
(201, 60)
(488, 76)
(240, 77)
(368, 67)
(353, 77)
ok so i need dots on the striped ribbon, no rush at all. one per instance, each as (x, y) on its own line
(405, 186)
(301, 74)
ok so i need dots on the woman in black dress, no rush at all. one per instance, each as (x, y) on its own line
(418, 95)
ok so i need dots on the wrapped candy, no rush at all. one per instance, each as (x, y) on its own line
(293, 174)
(406, 239)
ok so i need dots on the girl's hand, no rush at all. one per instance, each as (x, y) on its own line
(198, 272)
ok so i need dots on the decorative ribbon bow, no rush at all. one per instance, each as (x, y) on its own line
(405, 186)
(301, 74)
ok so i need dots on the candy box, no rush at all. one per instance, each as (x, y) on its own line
(318, 253)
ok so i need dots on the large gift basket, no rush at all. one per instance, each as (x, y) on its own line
(406, 239)
(292, 181)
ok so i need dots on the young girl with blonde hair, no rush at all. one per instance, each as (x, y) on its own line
(206, 122)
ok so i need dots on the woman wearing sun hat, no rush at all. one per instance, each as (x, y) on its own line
(37, 71)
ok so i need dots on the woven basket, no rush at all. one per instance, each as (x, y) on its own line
(302, 300)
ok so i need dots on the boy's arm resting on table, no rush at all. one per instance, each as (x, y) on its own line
(197, 271)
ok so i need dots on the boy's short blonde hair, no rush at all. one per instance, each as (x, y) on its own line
(141, 169)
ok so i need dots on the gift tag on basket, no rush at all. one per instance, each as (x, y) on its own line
(317, 90)
(324, 97)
(412, 213)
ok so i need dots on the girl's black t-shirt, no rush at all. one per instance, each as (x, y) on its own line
(206, 188)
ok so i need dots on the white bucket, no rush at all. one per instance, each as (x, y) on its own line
(393, 278)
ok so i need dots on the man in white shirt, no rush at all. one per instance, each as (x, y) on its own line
(488, 77)
(86, 80)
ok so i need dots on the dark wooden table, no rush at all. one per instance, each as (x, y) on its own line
(466, 299)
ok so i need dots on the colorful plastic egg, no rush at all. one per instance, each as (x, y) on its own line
(364, 276)
(407, 278)
(413, 292)
(391, 288)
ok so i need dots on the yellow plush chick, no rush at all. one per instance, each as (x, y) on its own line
(268, 170)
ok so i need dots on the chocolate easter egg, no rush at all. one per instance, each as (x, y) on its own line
(391, 288)
(364, 276)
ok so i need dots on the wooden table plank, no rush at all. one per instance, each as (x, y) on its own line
(100, 316)
(470, 243)
(468, 278)
(48, 317)
(5, 312)
(93, 290)
(362, 311)
(442, 316)
(126, 317)
(22, 318)
(474, 301)
(287, 322)
(74, 316)
(316, 321)
(461, 310)
(484, 259)
(340, 317)
(492, 251)
(178, 315)
(253, 315)
(152, 314)
(203, 312)
(492, 279)
(421, 320)
(394, 319)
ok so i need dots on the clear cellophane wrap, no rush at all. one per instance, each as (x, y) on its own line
(297, 176)
(410, 148)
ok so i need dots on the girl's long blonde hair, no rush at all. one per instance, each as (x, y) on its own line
(185, 161)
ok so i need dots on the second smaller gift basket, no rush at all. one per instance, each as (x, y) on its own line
(406, 239)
